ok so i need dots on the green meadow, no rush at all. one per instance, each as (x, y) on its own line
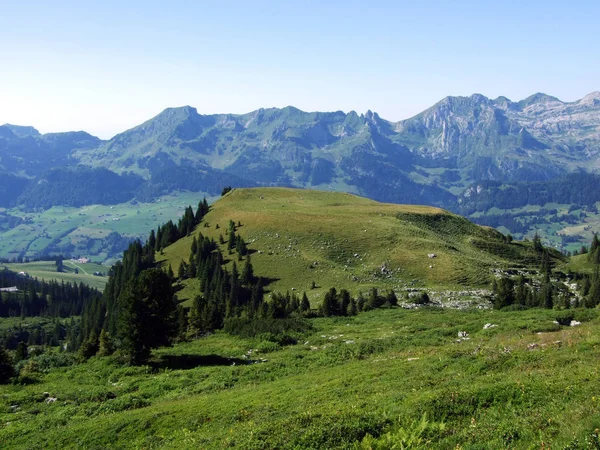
(388, 378)
(73, 272)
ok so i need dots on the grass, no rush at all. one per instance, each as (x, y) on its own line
(522, 384)
(580, 263)
(46, 270)
(341, 240)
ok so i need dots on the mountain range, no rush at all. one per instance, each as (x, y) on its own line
(430, 158)
(466, 154)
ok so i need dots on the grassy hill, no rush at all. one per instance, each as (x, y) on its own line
(337, 239)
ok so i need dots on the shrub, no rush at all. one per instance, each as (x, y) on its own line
(564, 318)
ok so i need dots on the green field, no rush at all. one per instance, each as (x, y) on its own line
(577, 225)
(334, 239)
(46, 270)
(82, 231)
(526, 383)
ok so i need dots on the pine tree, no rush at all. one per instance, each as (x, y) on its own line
(182, 271)
(547, 295)
(146, 315)
(247, 272)
(304, 303)
(593, 298)
(537, 243)
(374, 300)
(391, 298)
(344, 301)
(360, 302)
(6, 367)
(505, 293)
(105, 344)
(22, 352)
(352, 309)
(194, 246)
(521, 292)
(182, 323)
(330, 303)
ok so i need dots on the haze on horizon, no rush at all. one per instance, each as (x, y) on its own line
(106, 67)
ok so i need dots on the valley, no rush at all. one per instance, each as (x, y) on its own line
(409, 335)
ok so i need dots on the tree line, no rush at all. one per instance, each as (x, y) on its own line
(550, 291)
(42, 298)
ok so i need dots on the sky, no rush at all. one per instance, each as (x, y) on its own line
(106, 66)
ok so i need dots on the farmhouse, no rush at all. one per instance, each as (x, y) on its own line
(9, 289)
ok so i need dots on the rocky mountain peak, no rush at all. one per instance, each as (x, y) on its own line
(22, 131)
(593, 99)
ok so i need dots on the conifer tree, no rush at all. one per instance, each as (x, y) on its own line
(344, 301)
(22, 352)
(146, 315)
(304, 303)
(105, 344)
(247, 272)
(391, 298)
(330, 303)
(6, 367)
(352, 308)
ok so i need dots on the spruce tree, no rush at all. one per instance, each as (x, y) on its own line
(352, 309)
(105, 344)
(6, 367)
(22, 352)
(304, 303)
(330, 303)
(391, 298)
(247, 272)
(146, 315)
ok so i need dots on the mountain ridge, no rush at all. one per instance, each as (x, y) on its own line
(432, 158)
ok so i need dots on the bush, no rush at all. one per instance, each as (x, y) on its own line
(585, 314)
(421, 299)
(564, 318)
(6, 369)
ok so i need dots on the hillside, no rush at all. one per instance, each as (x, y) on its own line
(336, 239)
(522, 384)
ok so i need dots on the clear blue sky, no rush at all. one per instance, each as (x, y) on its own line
(104, 67)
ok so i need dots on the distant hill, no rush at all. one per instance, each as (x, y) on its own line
(298, 237)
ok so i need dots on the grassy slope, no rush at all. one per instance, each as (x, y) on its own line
(495, 390)
(580, 263)
(350, 238)
(46, 270)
